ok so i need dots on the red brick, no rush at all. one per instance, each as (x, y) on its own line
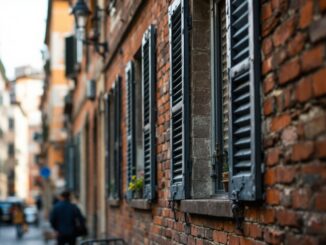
(278, 57)
(316, 126)
(220, 236)
(269, 106)
(266, 11)
(321, 148)
(280, 122)
(233, 240)
(319, 84)
(273, 157)
(270, 177)
(288, 218)
(269, 84)
(312, 58)
(320, 202)
(283, 32)
(273, 236)
(296, 44)
(315, 169)
(303, 90)
(285, 175)
(322, 5)
(279, 5)
(302, 151)
(289, 71)
(252, 230)
(273, 196)
(267, 66)
(306, 13)
(267, 216)
(269, 25)
(301, 198)
(267, 46)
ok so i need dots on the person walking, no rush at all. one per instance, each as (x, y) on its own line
(18, 219)
(67, 220)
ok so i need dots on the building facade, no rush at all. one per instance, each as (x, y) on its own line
(203, 123)
(56, 86)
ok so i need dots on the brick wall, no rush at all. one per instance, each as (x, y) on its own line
(293, 88)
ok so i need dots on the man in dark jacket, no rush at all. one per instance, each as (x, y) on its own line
(64, 218)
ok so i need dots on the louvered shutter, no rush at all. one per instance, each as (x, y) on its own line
(130, 102)
(117, 138)
(77, 163)
(244, 76)
(179, 99)
(70, 56)
(107, 143)
(148, 86)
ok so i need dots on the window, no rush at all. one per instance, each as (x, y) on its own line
(224, 62)
(11, 124)
(179, 99)
(140, 78)
(11, 150)
(113, 137)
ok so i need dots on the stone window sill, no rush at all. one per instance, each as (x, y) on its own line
(114, 202)
(140, 204)
(211, 207)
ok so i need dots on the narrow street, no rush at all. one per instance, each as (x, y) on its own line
(32, 237)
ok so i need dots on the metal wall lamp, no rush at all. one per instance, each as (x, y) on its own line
(81, 13)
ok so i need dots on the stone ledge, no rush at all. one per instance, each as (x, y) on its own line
(211, 207)
(140, 204)
(114, 202)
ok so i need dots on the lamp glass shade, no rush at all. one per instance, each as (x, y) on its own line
(81, 13)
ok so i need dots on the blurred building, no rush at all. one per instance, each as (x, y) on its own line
(28, 92)
(5, 121)
(59, 25)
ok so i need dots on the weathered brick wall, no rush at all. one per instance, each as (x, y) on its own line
(294, 135)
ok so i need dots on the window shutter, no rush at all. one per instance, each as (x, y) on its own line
(107, 143)
(117, 137)
(244, 77)
(179, 99)
(77, 163)
(148, 86)
(70, 56)
(69, 164)
(130, 102)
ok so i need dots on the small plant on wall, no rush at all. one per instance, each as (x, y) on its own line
(136, 186)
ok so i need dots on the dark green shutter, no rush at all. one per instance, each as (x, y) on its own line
(117, 138)
(244, 77)
(179, 99)
(69, 163)
(130, 103)
(107, 144)
(70, 56)
(148, 86)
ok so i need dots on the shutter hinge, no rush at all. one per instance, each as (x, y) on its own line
(238, 213)
(172, 204)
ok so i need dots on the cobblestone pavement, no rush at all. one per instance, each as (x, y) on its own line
(34, 236)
